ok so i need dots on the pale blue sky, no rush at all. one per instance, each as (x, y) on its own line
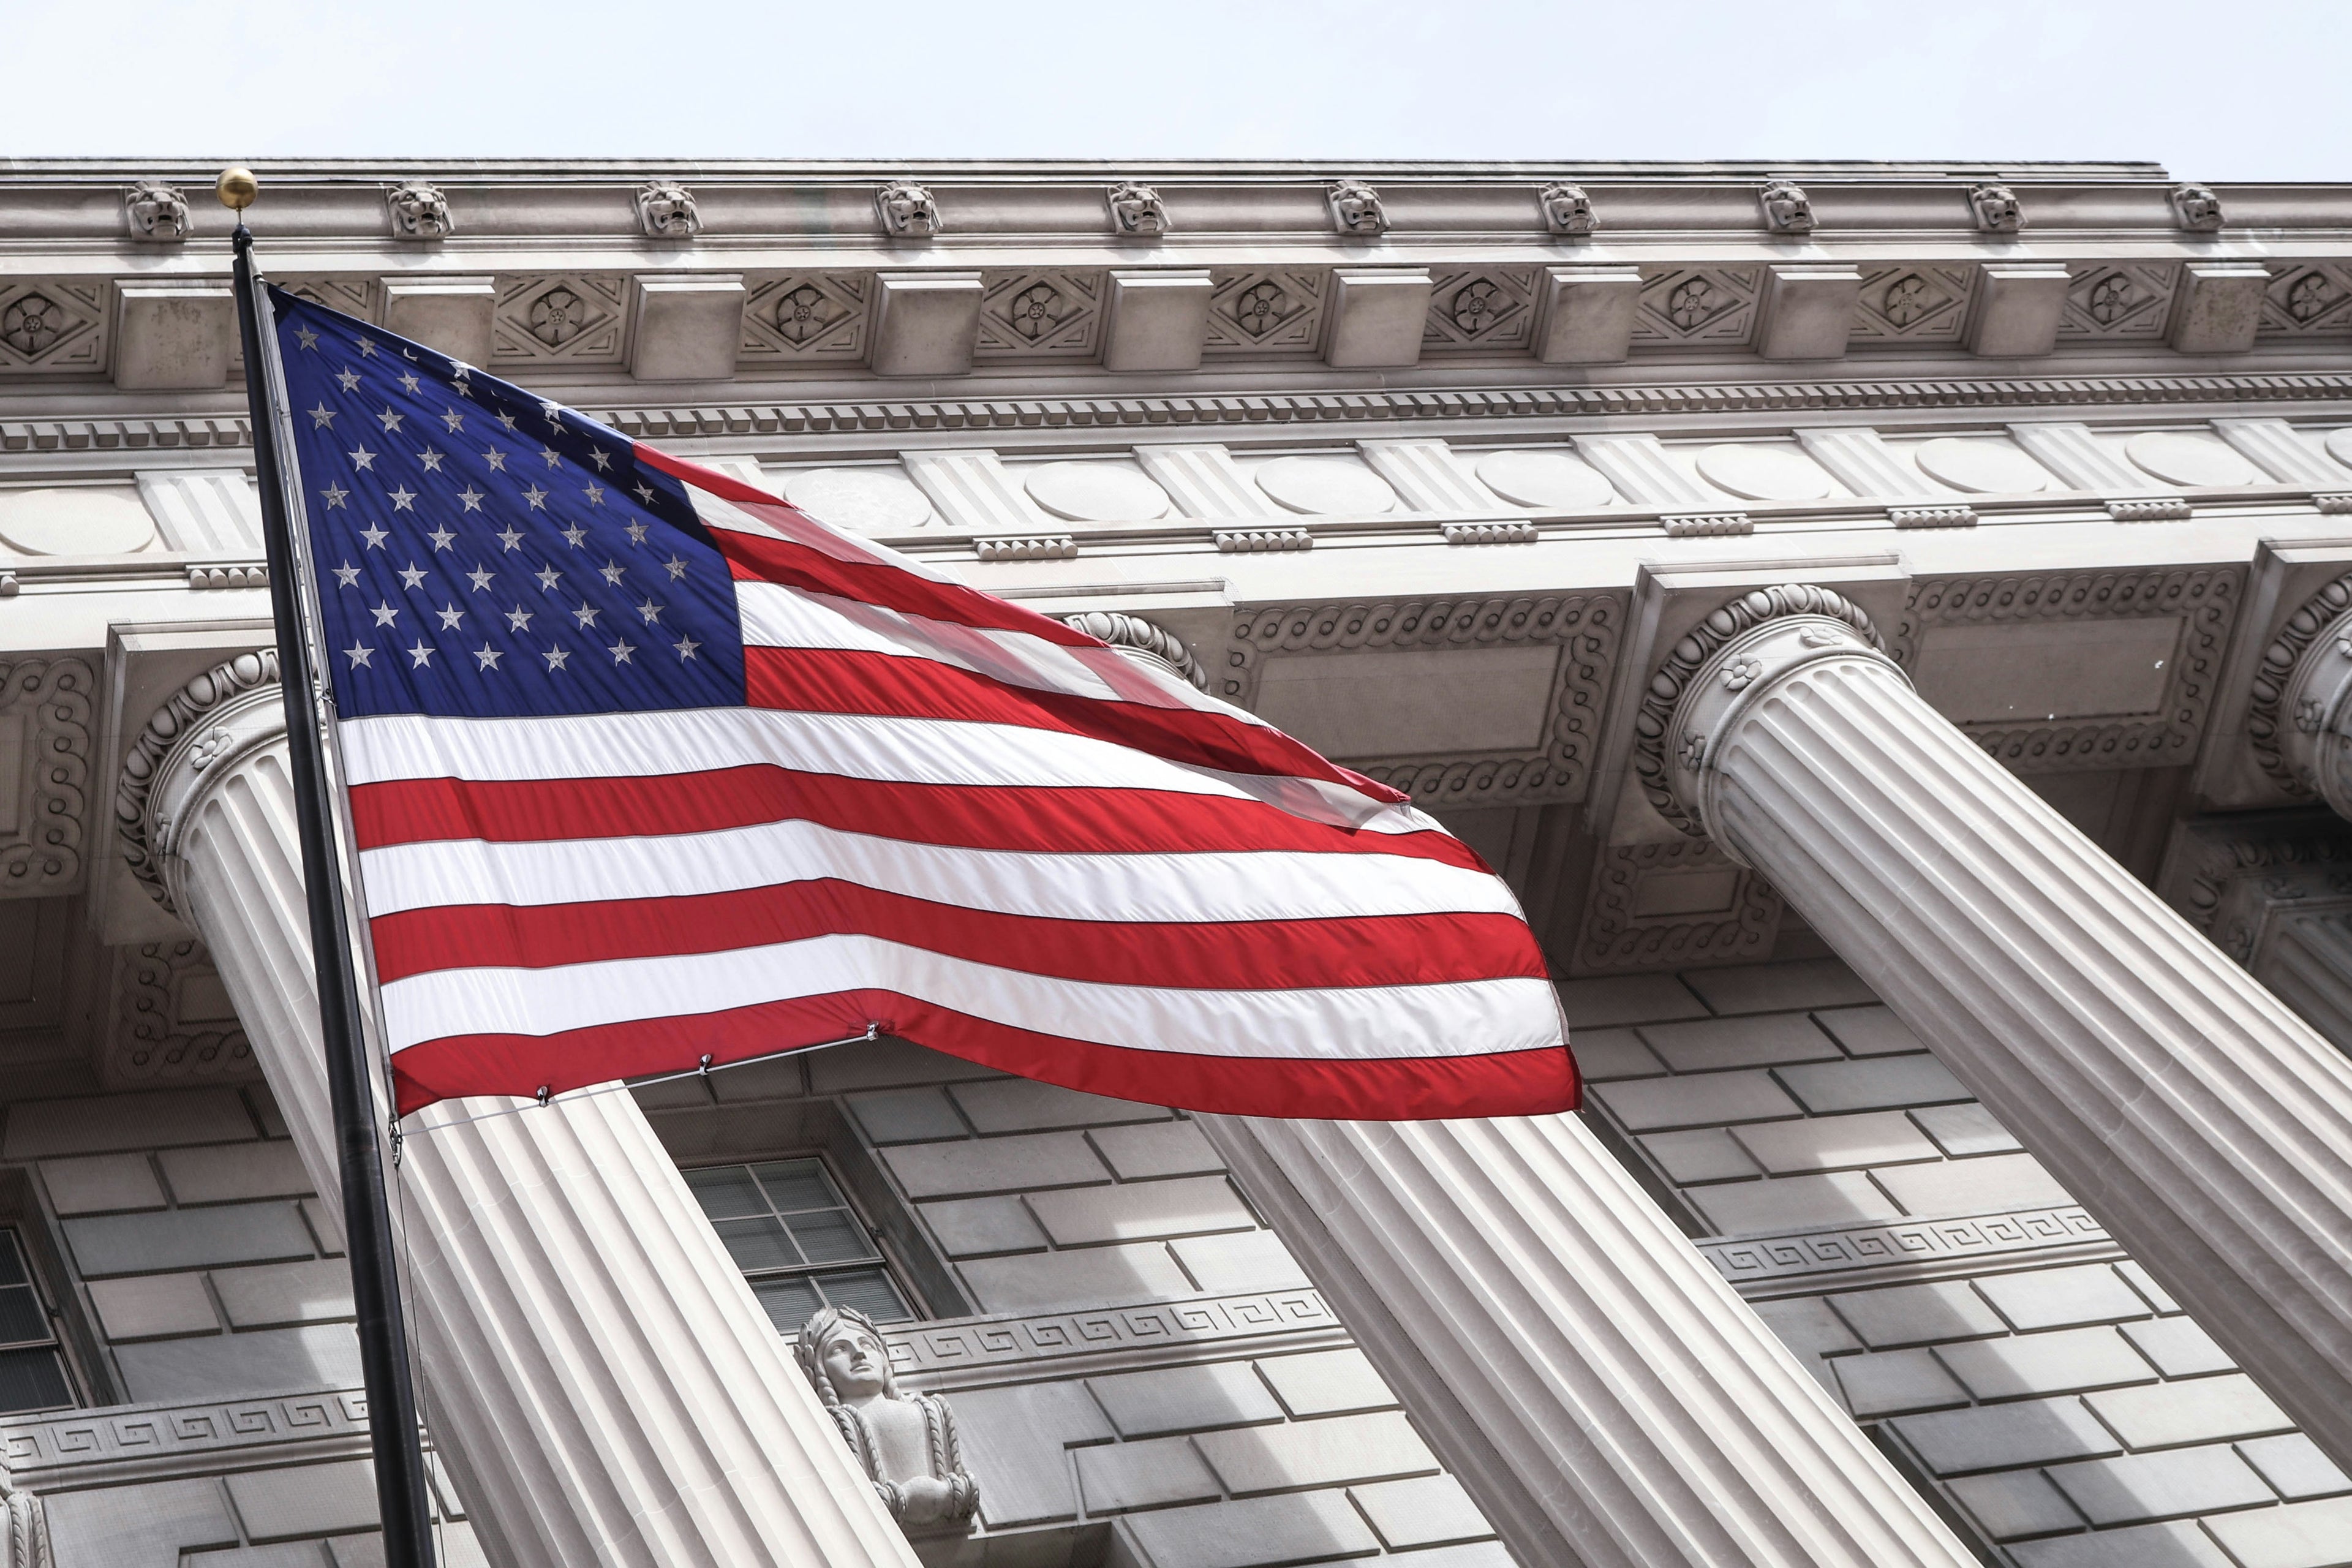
(2214, 92)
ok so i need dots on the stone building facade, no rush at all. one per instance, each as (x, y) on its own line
(1892, 626)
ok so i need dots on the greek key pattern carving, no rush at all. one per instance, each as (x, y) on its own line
(1756, 1258)
(2205, 602)
(45, 711)
(1621, 935)
(78, 1438)
(936, 1348)
(1584, 626)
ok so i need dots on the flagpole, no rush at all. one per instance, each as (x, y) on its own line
(367, 1220)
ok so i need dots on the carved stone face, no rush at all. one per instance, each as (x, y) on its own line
(856, 1362)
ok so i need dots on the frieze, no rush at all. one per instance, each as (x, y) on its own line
(1040, 315)
(1761, 1259)
(152, 1442)
(550, 320)
(2308, 299)
(932, 1352)
(45, 709)
(806, 317)
(2118, 300)
(172, 1021)
(1674, 905)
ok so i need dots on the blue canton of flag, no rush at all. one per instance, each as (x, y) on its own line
(486, 554)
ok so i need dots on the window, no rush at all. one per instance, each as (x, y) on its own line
(798, 1243)
(32, 1369)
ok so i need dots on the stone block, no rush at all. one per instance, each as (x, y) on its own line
(1477, 1554)
(156, 1306)
(101, 1184)
(1377, 316)
(977, 1166)
(2060, 1362)
(1870, 1031)
(2295, 1467)
(229, 1366)
(2022, 1502)
(1995, 1183)
(979, 1227)
(1703, 1099)
(155, 1242)
(172, 333)
(277, 1294)
(2006, 1436)
(2141, 1280)
(150, 1119)
(2147, 1546)
(309, 1500)
(1259, 1532)
(456, 1542)
(144, 1526)
(452, 314)
(907, 1116)
(2061, 1298)
(1139, 1210)
(326, 1225)
(2201, 1410)
(888, 1064)
(687, 325)
(284, 1554)
(1113, 1477)
(1156, 1148)
(1625, 999)
(1700, 1155)
(1807, 1326)
(229, 1172)
(1835, 1142)
(1704, 1045)
(1962, 1130)
(2017, 308)
(1605, 1054)
(1335, 1451)
(1429, 1511)
(1588, 314)
(1015, 1437)
(1778, 987)
(1185, 1399)
(1156, 320)
(1231, 1265)
(1095, 1277)
(1882, 1083)
(2300, 1535)
(1793, 1203)
(1021, 1105)
(1326, 1383)
(2173, 1484)
(925, 322)
(1917, 1314)
(1808, 309)
(2178, 1347)
(2218, 307)
(1894, 1382)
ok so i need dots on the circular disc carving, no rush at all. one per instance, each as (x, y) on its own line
(871, 500)
(1550, 480)
(2183, 460)
(1982, 467)
(2339, 446)
(1763, 473)
(73, 522)
(1326, 486)
(1095, 492)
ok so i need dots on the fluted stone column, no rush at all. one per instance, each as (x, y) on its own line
(2207, 1125)
(595, 1372)
(2306, 961)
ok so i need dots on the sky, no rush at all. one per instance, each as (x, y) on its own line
(2160, 81)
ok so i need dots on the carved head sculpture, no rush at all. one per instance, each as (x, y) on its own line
(906, 1445)
(665, 210)
(1356, 208)
(1137, 209)
(1567, 209)
(419, 211)
(1997, 209)
(1787, 208)
(157, 211)
(842, 1353)
(2197, 208)
(906, 211)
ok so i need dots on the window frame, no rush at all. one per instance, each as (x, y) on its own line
(884, 1255)
(57, 1340)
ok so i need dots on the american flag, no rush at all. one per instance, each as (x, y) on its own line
(647, 768)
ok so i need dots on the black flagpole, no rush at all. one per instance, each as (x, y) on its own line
(367, 1221)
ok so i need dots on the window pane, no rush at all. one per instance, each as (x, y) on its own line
(831, 1237)
(725, 1191)
(790, 1302)
(12, 1262)
(797, 1184)
(32, 1380)
(867, 1290)
(758, 1244)
(21, 1317)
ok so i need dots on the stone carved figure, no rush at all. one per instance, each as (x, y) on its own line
(1356, 208)
(157, 212)
(1997, 209)
(1787, 208)
(1567, 209)
(2197, 208)
(1137, 209)
(665, 210)
(908, 211)
(419, 211)
(906, 1443)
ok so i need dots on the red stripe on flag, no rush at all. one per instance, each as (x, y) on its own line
(1505, 1083)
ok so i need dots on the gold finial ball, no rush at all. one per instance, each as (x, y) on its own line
(237, 187)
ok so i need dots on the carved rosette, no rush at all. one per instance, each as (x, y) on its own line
(229, 710)
(47, 702)
(2298, 721)
(1140, 640)
(1730, 660)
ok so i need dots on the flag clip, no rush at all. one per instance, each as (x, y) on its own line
(542, 1096)
(706, 1064)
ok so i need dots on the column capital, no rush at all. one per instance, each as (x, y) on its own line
(1726, 662)
(217, 717)
(2300, 717)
